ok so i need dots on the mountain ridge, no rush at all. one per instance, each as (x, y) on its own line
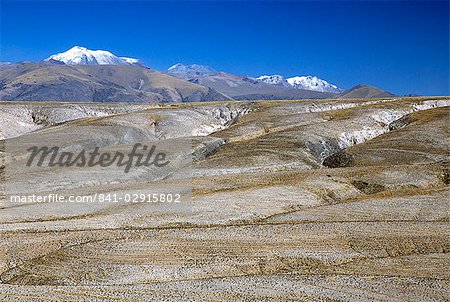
(97, 83)
(192, 68)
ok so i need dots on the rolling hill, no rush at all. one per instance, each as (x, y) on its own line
(364, 91)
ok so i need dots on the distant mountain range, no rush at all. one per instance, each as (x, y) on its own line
(311, 83)
(301, 82)
(81, 74)
(240, 87)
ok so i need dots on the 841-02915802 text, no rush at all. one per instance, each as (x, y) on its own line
(156, 197)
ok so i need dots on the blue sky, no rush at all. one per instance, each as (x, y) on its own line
(402, 47)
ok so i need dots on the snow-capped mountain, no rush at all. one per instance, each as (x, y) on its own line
(301, 82)
(313, 83)
(6, 64)
(274, 80)
(131, 61)
(194, 68)
(78, 55)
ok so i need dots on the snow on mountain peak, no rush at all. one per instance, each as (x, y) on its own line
(313, 83)
(193, 68)
(300, 82)
(131, 60)
(275, 79)
(78, 55)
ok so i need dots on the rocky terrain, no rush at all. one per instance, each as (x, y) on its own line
(315, 200)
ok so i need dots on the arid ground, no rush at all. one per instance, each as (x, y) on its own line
(326, 200)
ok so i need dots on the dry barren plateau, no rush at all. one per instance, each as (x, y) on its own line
(317, 200)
